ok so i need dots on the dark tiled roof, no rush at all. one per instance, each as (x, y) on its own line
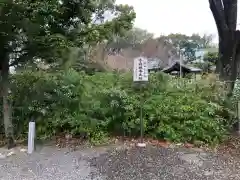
(176, 67)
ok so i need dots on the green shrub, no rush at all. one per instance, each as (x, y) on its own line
(106, 104)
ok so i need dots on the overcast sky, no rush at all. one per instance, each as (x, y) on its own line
(173, 16)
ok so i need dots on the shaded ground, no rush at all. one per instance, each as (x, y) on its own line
(118, 163)
(170, 164)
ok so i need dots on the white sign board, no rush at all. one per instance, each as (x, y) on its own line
(140, 69)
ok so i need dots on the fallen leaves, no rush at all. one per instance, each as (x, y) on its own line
(230, 146)
(149, 141)
(188, 145)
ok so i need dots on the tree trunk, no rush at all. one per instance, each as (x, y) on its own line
(225, 16)
(227, 56)
(238, 61)
(219, 66)
(8, 126)
(238, 64)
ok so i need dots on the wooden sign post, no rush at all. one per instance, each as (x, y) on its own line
(140, 76)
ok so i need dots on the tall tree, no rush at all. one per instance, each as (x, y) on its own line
(132, 38)
(188, 45)
(211, 57)
(46, 31)
(209, 62)
(225, 16)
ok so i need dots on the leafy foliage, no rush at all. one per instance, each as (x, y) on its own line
(109, 104)
(208, 63)
(133, 39)
(188, 45)
(34, 32)
(211, 57)
(46, 29)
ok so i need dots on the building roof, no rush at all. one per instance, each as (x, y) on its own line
(176, 67)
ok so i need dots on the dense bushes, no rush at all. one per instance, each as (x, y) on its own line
(108, 104)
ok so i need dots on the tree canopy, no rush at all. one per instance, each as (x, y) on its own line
(188, 45)
(133, 38)
(48, 30)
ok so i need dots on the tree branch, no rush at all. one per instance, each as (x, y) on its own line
(230, 12)
(217, 9)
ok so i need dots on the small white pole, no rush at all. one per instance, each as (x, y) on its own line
(180, 55)
(31, 137)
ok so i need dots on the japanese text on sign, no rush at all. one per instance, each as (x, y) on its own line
(140, 69)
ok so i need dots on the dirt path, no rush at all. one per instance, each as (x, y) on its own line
(113, 163)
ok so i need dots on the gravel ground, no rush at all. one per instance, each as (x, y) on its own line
(158, 163)
(50, 163)
(105, 163)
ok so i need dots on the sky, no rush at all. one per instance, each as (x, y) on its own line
(173, 16)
